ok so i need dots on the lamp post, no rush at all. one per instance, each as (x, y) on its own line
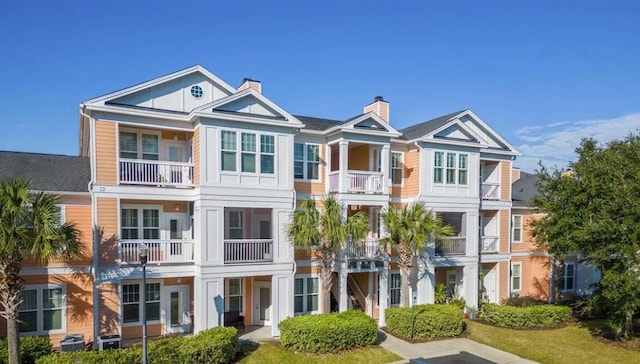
(143, 253)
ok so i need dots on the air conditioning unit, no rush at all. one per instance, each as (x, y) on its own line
(73, 342)
(107, 342)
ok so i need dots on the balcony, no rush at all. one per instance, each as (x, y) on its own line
(490, 244)
(160, 251)
(490, 191)
(157, 173)
(239, 251)
(456, 245)
(358, 182)
(365, 249)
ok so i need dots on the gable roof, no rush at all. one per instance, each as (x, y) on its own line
(426, 127)
(319, 124)
(523, 190)
(47, 172)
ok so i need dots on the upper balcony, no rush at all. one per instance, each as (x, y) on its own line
(160, 251)
(358, 182)
(490, 175)
(248, 236)
(156, 173)
(359, 168)
(456, 245)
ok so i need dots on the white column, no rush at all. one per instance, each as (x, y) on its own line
(327, 171)
(344, 166)
(208, 302)
(281, 300)
(470, 279)
(385, 168)
(342, 285)
(471, 225)
(426, 280)
(383, 288)
(370, 295)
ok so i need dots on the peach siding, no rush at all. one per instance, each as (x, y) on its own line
(505, 227)
(108, 225)
(171, 134)
(515, 175)
(109, 309)
(505, 182)
(196, 157)
(411, 176)
(106, 152)
(134, 332)
(528, 242)
(80, 215)
(503, 270)
(359, 158)
(535, 276)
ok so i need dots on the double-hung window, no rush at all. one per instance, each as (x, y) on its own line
(306, 291)
(568, 277)
(451, 168)
(516, 276)
(517, 228)
(131, 303)
(248, 159)
(267, 154)
(306, 161)
(438, 167)
(228, 150)
(463, 168)
(257, 152)
(135, 145)
(42, 309)
(234, 294)
(235, 225)
(139, 222)
(394, 288)
(396, 168)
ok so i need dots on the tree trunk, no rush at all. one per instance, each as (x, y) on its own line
(558, 279)
(326, 276)
(10, 299)
(405, 282)
(13, 341)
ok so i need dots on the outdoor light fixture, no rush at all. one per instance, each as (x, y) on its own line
(143, 253)
(177, 207)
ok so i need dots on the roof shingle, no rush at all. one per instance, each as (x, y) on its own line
(421, 129)
(523, 190)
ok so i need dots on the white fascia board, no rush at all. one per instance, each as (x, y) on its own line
(156, 81)
(137, 112)
(391, 131)
(311, 132)
(247, 119)
(500, 152)
(361, 132)
(453, 142)
(456, 121)
(491, 131)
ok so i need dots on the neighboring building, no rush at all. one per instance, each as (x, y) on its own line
(531, 268)
(207, 176)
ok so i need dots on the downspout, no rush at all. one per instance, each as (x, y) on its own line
(94, 218)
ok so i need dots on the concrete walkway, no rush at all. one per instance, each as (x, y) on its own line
(447, 352)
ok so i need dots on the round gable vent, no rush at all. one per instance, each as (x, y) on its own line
(196, 91)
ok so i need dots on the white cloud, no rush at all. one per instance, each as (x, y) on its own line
(555, 143)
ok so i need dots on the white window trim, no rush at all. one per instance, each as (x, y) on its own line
(444, 168)
(399, 288)
(243, 288)
(139, 207)
(377, 289)
(257, 153)
(40, 309)
(519, 278)
(140, 302)
(401, 168)
(305, 294)
(63, 213)
(513, 228)
(227, 220)
(564, 277)
(305, 161)
(139, 133)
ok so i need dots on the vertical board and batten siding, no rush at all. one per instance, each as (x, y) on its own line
(106, 153)
(196, 157)
(505, 181)
(108, 224)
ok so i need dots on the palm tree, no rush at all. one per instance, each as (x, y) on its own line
(409, 231)
(29, 228)
(326, 232)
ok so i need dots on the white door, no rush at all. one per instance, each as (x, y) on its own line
(489, 283)
(262, 303)
(177, 173)
(176, 231)
(178, 318)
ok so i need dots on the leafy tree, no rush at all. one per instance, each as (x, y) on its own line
(29, 228)
(327, 232)
(594, 210)
(410, 229)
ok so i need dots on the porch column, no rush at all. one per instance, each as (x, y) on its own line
(344, 166)
(383, 282)
(208, 302)
(281, 300)
(385, 168)
(370, 294)
(342, 285)
(470, 282)
(327, 171)
(426, 280)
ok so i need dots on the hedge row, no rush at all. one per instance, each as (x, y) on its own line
(214, 346)
(532, 316)
(31, 348)
(328, 333)
(425, 321)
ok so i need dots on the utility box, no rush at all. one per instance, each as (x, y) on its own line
(107, 342)
(73, 342)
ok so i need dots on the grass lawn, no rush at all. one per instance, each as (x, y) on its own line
(271, 353)
(571, 344)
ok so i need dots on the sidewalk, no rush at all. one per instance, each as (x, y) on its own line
(448, 352)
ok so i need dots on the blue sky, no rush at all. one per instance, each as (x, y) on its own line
(543, 74)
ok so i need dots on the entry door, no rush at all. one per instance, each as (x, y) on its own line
(489, 282)
(178, 317)
(452, 284)
(262, 303)
(177, 173)
(177, 230)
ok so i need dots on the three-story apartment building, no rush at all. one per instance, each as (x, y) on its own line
(206, 176)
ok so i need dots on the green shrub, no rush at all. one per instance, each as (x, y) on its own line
(31, 348)
(328, 333)
(118, 356)
(165, 350)
(425, 321)
(532, 316)
(522, 301)
(218, 345)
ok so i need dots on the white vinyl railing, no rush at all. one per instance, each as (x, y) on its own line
(358, 182)
(490, 244)
(456, 245)
(490, 191)
(248, 251)
(160, 251)
(162, 173)
(364, 249)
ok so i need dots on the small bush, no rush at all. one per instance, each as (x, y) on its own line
(165, 350)
(328, 333)
(31, 348)
(118, 356)
(523, 301)
(218, 345)
(532, 316)
(425, 321)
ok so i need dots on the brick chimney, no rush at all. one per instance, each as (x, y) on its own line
(249, 83)
(379, 107)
